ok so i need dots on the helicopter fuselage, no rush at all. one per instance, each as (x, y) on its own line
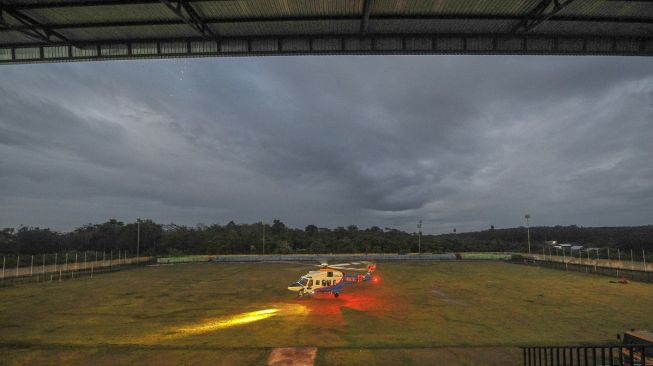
(324, 280)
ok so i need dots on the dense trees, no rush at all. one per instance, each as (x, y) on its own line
(233, 238)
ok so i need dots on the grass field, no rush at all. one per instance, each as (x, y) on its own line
(224, 314)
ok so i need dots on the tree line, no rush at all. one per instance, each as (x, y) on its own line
(151, 238)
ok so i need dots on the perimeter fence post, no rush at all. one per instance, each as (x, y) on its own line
(43, 270)
(3, 270)
(588, 262)
(85, 262)
(644, 258)
(632, 261)
(55, 266)
(17, 263)
(619, 260)
(72, 274)
(598, 257)
(31, 267)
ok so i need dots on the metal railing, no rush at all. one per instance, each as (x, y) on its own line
(62, 271)
(621, 354)
(616, 270)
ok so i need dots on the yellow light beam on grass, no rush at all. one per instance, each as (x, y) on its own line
(215, 324)
(218, 323)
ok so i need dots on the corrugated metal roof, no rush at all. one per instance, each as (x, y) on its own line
(609, 9)
(493, 7)
(97, 14)
(261, 29)
(436, 26)
(278, 8)
(514, 25)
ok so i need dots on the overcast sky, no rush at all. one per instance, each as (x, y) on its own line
(458, 141)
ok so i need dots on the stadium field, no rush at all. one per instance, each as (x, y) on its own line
(472, 313)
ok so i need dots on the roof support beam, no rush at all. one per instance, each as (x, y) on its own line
(503, 44)
(57, 4)
(365, 20)
(538, 15)
(132, 23)
(30, 27)
(188, 15)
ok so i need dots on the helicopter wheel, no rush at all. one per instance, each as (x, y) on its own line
(301, 293)
(336, 294)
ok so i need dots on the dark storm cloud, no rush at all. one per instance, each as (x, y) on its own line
(460, 142)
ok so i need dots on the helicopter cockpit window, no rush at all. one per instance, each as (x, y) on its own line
(310, 282)
(303, 281)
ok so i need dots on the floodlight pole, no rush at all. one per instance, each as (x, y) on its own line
(528, 233)
(419, 237)
(138, 237)
(263, 225)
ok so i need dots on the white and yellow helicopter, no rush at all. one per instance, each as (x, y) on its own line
(330, 278)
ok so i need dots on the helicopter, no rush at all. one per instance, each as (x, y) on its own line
(330, 278)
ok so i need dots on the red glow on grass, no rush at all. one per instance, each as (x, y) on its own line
(326, 309)
(376, 279)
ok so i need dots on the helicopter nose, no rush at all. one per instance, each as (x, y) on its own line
(295, 287)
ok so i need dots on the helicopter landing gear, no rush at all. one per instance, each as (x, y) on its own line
(335, 294)
(300, 293)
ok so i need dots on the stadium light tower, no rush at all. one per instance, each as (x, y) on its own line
(419, 237)
(263, 227)
(528, 232)
(138, 237)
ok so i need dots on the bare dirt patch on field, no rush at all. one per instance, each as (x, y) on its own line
(292, 357)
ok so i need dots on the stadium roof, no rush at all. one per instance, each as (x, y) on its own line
(65, 30)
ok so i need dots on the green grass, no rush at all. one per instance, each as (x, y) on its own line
(419, 313)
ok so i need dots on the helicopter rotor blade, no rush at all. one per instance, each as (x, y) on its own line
(349, 264)
(352, 269)
(299, 264)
